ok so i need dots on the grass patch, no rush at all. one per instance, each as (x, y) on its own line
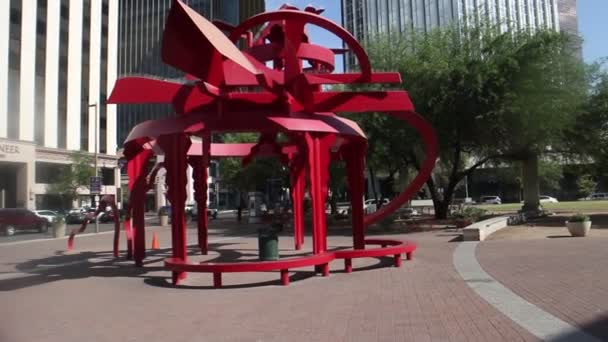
(561, 206)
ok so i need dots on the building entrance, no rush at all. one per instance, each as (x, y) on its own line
(8, 184)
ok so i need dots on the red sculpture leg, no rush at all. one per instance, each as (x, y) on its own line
(199, 174)
(298, 183)
(354, 155)
(103, 203)
(136, 169)
(318, 166)
(175, 148)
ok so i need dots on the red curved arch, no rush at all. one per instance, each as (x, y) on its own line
(427, 133)
(349, 39)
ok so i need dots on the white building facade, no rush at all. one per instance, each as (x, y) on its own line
(58, 62)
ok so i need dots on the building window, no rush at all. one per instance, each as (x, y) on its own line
(40, 71)
(84, 84)
(49, 173)
(62, 96)
(107, 176)
(14, 72)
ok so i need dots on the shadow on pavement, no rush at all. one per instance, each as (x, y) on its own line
(65, 266)
(598, 328)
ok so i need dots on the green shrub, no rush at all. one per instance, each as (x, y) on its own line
(579, 217)
(470, 213)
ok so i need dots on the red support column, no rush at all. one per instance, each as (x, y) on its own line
(199, 174)
(354, 155)
(285, 277)
(176, 149)
(318, 168)
(298, 184)
(136, 169)
(348, 265)
(397, 260)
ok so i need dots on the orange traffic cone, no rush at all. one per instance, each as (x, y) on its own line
(155, 242)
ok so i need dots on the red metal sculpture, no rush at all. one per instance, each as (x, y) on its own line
(273, 84)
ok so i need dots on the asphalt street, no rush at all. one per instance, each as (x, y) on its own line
(25, 235)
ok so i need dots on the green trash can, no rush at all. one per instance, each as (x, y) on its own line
(268, 244)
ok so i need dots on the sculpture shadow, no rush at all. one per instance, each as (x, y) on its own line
(66, 266)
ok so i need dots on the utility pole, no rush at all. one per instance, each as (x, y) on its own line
(94, 202)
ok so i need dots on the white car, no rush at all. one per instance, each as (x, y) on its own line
(547, 199)
(369, 206)
(48, 215)
(491, 200)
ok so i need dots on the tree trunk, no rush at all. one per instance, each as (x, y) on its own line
(333, 204)
(531, 184)
(441, 209)
(372, 177)
(239, 211)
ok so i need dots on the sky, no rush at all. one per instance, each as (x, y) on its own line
(593, 27)
(592, 24)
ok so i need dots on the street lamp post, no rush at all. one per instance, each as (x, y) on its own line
(95, 162)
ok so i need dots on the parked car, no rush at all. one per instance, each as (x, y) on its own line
(106, 216)
(13, 219)
(211, 212)
(547, 199)
(78, 215)
(343, 208)
(407, 212)
(490, 200)
(370, 205)
(599, 196)
(49, 215)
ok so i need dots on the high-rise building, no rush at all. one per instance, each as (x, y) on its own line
(141, 25)
(364, 18)
(57, 62)
(568, 22)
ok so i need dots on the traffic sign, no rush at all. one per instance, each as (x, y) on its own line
(95, 185)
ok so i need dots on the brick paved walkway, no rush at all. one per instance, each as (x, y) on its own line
(564, 276)
(95, 299)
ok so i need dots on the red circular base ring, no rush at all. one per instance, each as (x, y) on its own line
(321, 261)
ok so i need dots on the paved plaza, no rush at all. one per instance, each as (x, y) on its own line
(85, 295)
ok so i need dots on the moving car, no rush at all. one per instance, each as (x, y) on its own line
(490, 200)
(49, 215)
(13, 219)
(547, 199)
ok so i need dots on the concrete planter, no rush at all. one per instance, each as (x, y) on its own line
(58, 230)
(164, 220)
(578, 228)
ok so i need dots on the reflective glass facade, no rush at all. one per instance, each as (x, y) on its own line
(364, 18)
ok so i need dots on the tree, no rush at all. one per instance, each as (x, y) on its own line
(252, 177)
(589, 135)
(586, 185)
(75, 176)
(490, 96)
